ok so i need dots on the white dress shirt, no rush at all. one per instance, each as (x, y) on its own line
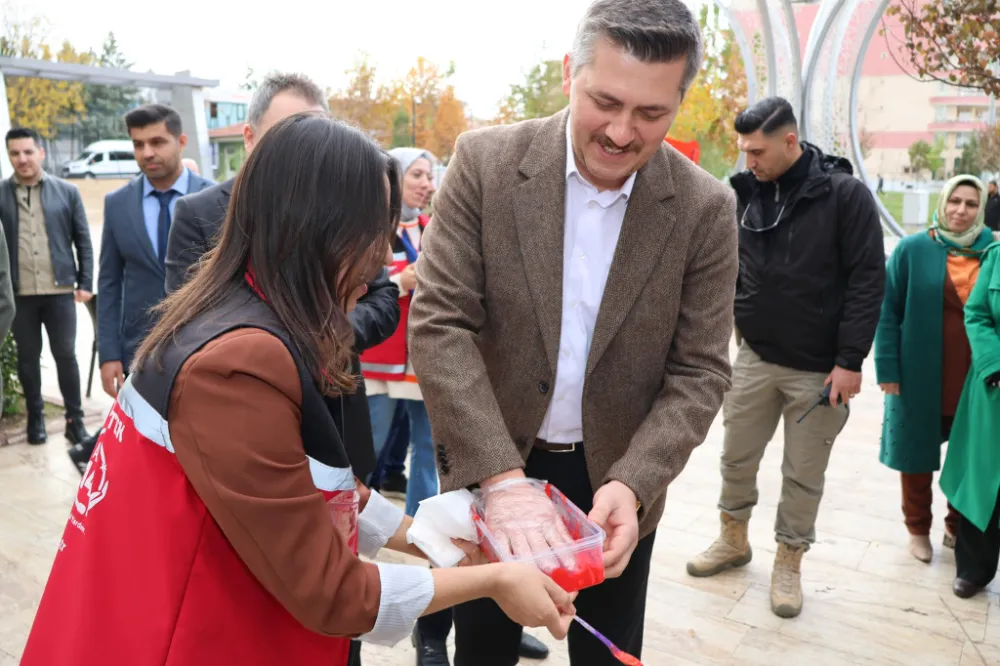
(592, 226)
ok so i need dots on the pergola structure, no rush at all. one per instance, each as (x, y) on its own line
(187, 97)
(822, 84)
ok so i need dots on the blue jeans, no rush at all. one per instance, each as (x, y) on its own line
(393, 458)
(423, 481)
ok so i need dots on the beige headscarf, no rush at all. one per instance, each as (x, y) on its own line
(971, 235)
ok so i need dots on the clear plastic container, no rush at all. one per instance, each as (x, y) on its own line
(578, 565)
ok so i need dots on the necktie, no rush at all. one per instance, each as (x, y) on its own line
(163, 226)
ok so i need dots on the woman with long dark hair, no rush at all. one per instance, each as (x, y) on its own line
(219, 520)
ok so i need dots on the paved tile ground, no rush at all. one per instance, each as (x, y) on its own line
(867, 602)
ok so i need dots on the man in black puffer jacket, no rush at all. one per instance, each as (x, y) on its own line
(808, 297)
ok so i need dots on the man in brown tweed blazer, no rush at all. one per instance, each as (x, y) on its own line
(573, 310)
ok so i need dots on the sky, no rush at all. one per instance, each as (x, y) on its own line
(492, 44)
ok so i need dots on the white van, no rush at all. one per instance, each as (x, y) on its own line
(103, 159)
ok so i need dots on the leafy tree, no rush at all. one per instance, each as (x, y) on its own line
(449, 122)
(717, 95)
(988, 142)
(107, 105)
(956, 41)
(366, 104)
(42, 104)
(926, 157)
(419, 109)
(540, 94)
(970, 161)
(400, 129)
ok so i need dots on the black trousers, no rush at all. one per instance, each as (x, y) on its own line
(977, 554)
(485, 636)
(57, 313)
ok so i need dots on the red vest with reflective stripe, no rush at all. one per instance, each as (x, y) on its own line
(144, 576)
(387, 361)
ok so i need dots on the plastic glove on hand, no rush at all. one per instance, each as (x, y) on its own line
(524, 521)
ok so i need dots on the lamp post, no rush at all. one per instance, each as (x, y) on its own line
(414, 100)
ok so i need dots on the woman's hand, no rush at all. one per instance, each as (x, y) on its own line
(531, 598)
(889, 388)
(473, 554)
(408, 278)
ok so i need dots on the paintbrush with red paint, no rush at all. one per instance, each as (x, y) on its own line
(623, 657)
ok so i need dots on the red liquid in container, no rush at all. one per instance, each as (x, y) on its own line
(343, 507)
(586, 550)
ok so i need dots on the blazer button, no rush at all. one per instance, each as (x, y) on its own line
(543, 387)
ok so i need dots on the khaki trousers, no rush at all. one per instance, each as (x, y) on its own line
(762, 393)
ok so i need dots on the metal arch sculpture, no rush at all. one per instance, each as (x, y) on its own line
(823, 85)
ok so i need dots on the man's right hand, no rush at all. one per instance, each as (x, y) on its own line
(890, 388)
(112, 377)
(524, 522)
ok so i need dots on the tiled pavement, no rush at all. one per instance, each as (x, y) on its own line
(867, 602)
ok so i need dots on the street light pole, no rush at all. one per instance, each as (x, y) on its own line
(413, 120)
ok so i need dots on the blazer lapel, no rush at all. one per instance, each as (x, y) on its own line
(647, 227)
(138, 219)
(539, 213)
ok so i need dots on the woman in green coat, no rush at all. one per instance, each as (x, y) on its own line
(922, 354)
(971, 474)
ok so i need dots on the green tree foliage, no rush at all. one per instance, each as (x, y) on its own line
(540, 94)
(106, 105)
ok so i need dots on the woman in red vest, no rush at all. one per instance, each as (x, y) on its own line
(389, 378)
(219, 520)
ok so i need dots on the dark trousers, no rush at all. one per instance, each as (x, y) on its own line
(918, 497)
(57, 313)
(484, 636)
(977, 554)
(397, 444)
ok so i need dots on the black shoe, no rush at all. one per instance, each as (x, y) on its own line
(75, 432)
(430, 651)
(532, 648)
(965, 589)
(394, 485)
(80, 453)
(36, 429)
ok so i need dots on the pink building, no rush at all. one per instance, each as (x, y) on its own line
(895, 110)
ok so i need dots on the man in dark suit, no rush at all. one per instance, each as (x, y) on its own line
(43, 221)
(137, 219)
(199, 217)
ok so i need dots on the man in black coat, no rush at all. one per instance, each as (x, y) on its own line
(993, 207)
(808, 298)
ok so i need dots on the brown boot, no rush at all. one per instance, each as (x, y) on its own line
(730, 550)
(786, 583)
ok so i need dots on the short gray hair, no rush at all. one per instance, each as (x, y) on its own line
(278, 82)
(648, 30)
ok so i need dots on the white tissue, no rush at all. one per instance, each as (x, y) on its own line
(440, 519)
